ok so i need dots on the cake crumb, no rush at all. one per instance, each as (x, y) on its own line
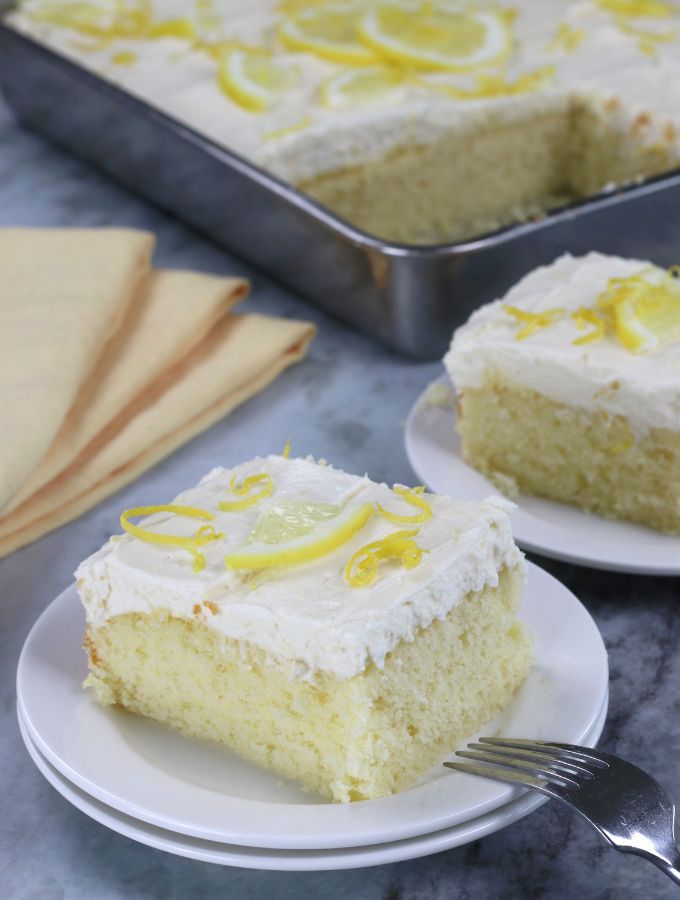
(212, 606)
(506, 484)
(439, 395)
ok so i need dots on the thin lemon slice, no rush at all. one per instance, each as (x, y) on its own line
(432, 38)
(355, 87)
(324, 539)
(645, 308)
(330, 32)
(253, 79)
(291, 519)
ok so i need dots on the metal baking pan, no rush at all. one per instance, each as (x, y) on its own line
(410, 297)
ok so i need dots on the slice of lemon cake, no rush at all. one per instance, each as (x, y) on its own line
(569, 388)
(335, 630)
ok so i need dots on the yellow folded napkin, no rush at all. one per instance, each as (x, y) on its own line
(239, 358)
(63, 296)
(174, 313)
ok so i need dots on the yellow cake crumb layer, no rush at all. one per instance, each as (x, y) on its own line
(474, 180)
(352, 739)
(526, 443)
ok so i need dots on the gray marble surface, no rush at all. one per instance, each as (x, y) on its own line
(347, 402)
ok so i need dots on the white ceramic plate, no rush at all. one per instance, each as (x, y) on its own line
(200, 789)
(553, 529)
(292, 860)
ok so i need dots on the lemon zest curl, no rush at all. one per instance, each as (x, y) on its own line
(533, 322)
(243, 489)
(583, 317)
(206, 534)
(362, 567)
(412, 496)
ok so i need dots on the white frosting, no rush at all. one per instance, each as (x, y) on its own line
(608, 62)
(307, 618)
(645, 388)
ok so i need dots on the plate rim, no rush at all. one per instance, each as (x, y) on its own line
(344, 858)
(411, 435)
(279, 841)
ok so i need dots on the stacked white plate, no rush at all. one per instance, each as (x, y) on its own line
(198, 800)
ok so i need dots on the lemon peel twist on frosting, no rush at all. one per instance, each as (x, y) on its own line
(243, 490)
(362, 567)
(206, 534)
(533, 322)
(414, 498)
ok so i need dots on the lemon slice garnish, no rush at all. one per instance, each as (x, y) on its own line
(362, 568)
(357, 86)
(253, 79)
(645, 309)
(243, 490)
(291, 519)
(433, 38)
(205, 535)
(413, 497)
(324, 539)
(329, 32)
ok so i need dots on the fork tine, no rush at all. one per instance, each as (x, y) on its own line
(499, 774)
(568, 752)
(537, 757)
(518, 765)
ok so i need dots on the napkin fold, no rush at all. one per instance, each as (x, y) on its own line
(63, 297)
(163, 363)
(173, 313)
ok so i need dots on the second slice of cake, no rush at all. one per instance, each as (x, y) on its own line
(332, 629)
(569, 388)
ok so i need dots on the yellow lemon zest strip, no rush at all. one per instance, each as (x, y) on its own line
(566, 38)
(533, 322)
(124, 58)
(286, 449)
(498, 86)
(583, 317)
(412, 496)
(366, 561)
(646, 8)
(206, 534)
(323, 540)
(244, 488)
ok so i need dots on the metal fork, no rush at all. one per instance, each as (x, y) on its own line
(624, 804)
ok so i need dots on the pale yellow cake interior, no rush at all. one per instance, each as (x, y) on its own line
(476, 179)
(529, 444)
(363, 737)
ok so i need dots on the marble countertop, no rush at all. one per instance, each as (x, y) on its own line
(346, 402)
